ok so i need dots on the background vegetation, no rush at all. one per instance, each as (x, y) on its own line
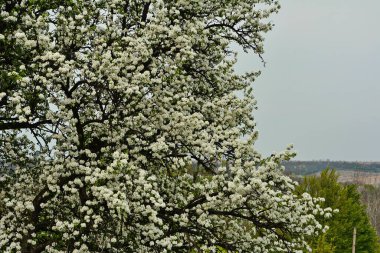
(310, 167)
(352, 214)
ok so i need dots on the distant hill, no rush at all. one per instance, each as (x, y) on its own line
(312, 167)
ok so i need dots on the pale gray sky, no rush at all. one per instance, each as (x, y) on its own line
(320, 89)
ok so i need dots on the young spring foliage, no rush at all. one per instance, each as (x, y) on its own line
(121, 131)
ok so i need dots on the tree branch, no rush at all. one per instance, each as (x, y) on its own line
(22, 125)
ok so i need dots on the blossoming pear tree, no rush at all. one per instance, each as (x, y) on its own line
(121, 131)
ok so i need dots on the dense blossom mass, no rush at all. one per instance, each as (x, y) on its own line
(121, 130)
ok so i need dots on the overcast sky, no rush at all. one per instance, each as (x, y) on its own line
(320, 89)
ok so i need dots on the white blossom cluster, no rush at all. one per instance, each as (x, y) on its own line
(124, 132)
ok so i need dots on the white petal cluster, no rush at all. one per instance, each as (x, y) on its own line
(121, 131)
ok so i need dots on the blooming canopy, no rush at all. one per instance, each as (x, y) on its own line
(121, 131)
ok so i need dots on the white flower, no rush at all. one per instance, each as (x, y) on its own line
(101, 27)
(19, 35)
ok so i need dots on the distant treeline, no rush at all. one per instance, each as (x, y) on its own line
(310, 167)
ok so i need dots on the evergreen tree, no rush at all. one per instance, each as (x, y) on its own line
(352, 214)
